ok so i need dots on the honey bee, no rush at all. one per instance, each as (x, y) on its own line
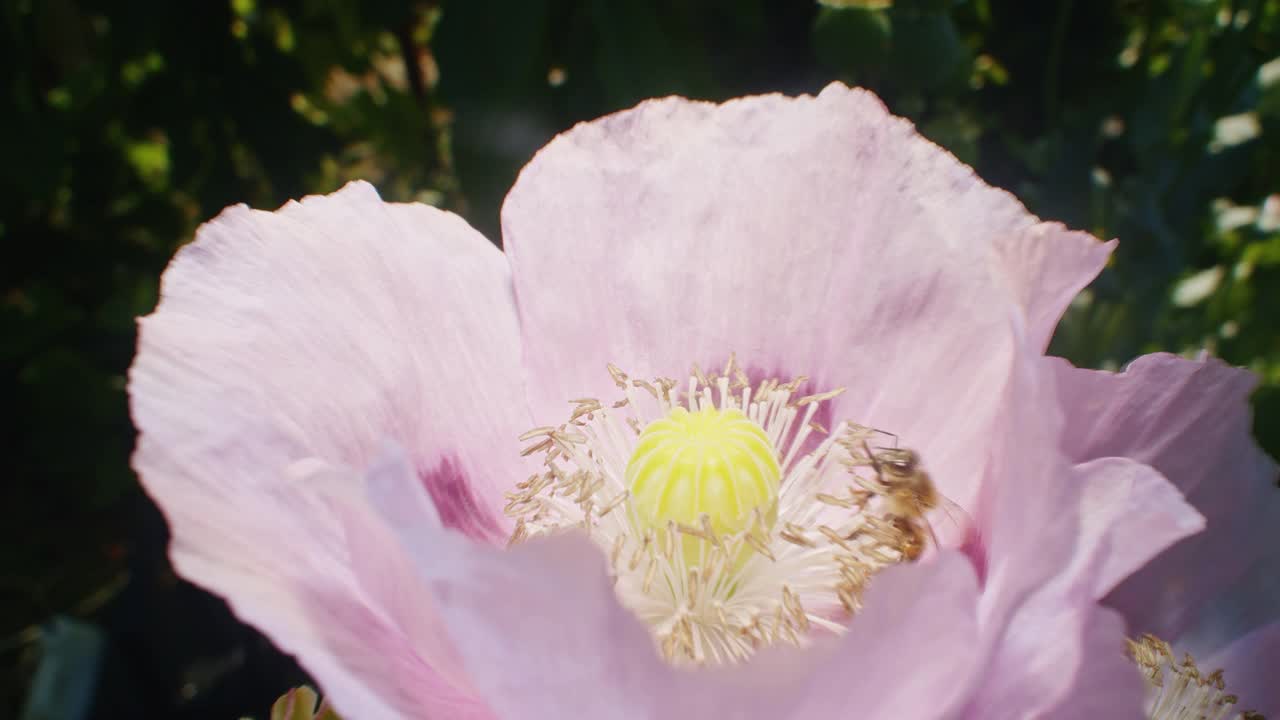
(912, 532)
(910, 495)
(911, 490)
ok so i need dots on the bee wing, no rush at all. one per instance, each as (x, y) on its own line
(949, 523)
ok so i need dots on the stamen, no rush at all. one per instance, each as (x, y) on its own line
(1177, 690)
(730, 517)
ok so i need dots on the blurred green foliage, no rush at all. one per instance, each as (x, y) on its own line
(127, 124)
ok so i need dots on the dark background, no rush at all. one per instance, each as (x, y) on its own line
(125, 124)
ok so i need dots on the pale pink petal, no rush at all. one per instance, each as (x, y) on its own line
(539, 628)
(1249, 665)
(1028, 515)
(1252, 601)
(286, 347)
(1106, 683)
(1058, 652)
(1046, 266)
(340, 321)
(1130, 514)
(392, 585)
(1190, 421)
(302, 592)
(907, 653)
(816, 236)
(1038, 632)
(380, 675)
(1060, 655)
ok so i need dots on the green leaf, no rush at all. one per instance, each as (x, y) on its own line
(852, 39)
(926, 50)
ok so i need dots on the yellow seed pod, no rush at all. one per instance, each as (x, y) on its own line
(714, 462)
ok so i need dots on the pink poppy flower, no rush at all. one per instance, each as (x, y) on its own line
(462, 483)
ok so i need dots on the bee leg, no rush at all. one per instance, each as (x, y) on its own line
(933, 537)
(875, 462)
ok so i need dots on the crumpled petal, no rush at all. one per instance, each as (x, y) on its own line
(1046, 266)
(285, 348)
(1041, 561)
(1060, 656)
(1190, 421)
(1129, 514)
(816, 236)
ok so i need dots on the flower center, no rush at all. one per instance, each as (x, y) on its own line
(731, 518)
